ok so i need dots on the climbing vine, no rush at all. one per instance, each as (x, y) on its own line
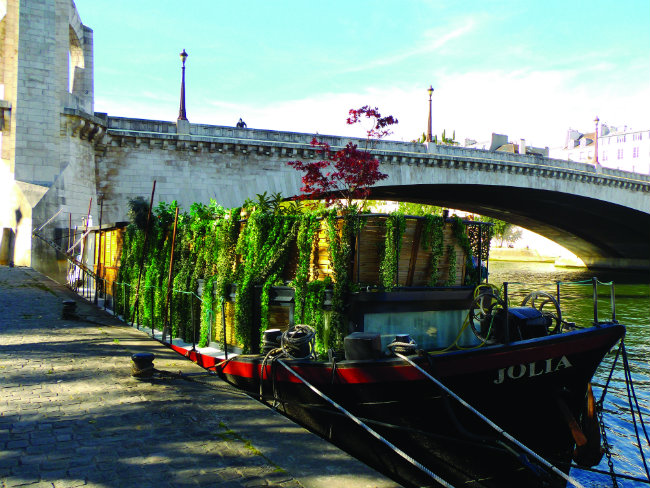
(459, 230)
(451, 277)
(307, 231)
(245, 258)
(341, 233)
(432, 239)
(395, 227)
(315, 315)
(264, 245)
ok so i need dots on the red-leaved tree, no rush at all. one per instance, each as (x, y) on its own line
(347, 174)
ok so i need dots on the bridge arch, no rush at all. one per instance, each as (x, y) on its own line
(602, 221)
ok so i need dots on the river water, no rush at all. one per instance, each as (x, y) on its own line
(632, 292)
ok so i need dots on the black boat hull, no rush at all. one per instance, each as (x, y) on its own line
(517, 386)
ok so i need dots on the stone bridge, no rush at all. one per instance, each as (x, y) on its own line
(600, 214)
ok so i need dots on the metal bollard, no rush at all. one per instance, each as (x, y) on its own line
(142, 365)
(69, 311)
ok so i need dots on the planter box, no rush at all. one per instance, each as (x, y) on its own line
(414, 265)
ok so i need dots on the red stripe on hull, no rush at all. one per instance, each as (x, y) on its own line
(446, 365)
(207, 362)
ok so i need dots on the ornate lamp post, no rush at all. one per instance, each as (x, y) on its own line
(429, 133)
(596, 120)
(181, 110)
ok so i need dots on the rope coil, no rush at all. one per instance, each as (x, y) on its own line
(298, 342)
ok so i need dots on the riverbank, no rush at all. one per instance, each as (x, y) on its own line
(519, 255)
(526, 255)
(72, 415)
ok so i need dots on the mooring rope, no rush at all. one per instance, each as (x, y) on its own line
(372, 432)
(527, 450)
(634, 405)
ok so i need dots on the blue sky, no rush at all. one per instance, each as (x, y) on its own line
(529, 69)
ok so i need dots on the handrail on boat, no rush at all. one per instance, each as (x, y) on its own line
(594, 282)
(526, 449)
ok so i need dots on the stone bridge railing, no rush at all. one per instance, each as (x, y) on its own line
(211, 138)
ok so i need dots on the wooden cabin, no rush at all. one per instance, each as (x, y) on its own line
(414, 300)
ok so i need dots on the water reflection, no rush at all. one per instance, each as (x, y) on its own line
(632, 292)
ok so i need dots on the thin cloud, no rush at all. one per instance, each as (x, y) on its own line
(538, 106)
(425, 47)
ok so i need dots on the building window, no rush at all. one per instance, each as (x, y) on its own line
(637, 137)
(620, 139)
(619, 154)
(604, 155)
(635, 152)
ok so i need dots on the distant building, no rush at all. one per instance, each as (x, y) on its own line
(624, 149)
(500, 143)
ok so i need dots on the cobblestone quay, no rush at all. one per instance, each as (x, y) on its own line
(72, 415)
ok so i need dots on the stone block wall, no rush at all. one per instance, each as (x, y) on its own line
(46, 163)
(189, 170)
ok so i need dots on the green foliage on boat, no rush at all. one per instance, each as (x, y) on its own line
(240, 254)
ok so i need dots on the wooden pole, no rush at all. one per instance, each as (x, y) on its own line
(144, 252)
(169, 281)
(98, 275)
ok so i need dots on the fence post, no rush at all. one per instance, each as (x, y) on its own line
(223, 322)
(594, 280)
(193, 322)
(613, 301)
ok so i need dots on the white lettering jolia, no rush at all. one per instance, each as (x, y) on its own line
(535, 368)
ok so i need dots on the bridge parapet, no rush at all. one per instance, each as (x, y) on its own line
(283, 144)
(122, 125)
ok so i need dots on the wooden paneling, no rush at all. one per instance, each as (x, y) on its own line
(107, 258)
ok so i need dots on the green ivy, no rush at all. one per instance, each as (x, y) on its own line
(264, 245)
(432, 239)
(215, 246)
(460, 233)
(207, 314)
(341, 249)
(451, 278)
(395, 227)
(307, 232)
(314, 313)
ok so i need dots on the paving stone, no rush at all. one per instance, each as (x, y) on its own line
(71, 415)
